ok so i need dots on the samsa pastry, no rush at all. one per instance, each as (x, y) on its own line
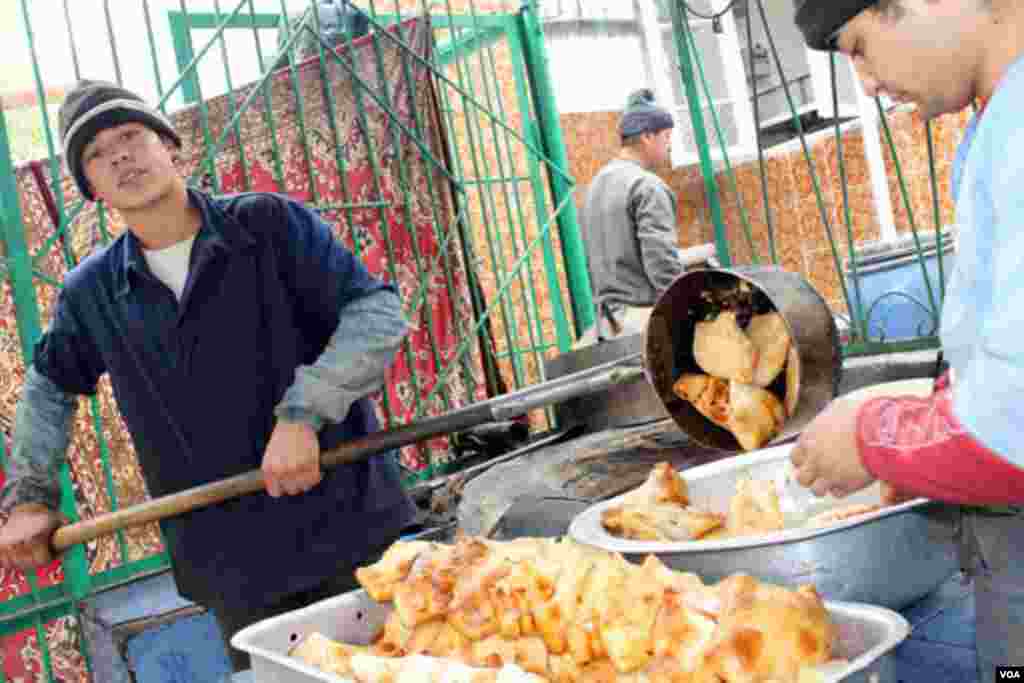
(770, 336)
(709, 395)
(755, 508)
(658, 511)
(660, 522)
(563, 612)
(723, 350)
(753, 415)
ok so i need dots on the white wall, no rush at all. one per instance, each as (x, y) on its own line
(92, 41)
(595, 65)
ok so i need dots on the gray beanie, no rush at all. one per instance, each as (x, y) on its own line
(819, 20)
(643, 115)
(94, 106)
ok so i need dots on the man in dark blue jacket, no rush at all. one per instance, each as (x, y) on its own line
(237, 334)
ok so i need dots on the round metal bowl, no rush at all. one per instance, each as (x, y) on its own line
(892, 557)
(812, 330)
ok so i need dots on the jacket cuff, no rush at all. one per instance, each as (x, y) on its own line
(919, 446)
(290, 413)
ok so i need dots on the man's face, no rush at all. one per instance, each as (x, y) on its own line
(658, 148)
(129, 167)
(923, 51)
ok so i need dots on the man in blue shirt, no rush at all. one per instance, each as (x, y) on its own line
(237, 333)
(964, 443)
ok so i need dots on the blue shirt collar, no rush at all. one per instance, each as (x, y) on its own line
(218, 233)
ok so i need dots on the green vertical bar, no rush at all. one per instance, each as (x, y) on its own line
(429, 171)
(372, 157)
(268, 112)
(230, 95)
(909, 207)
(936, 211)
(526, 281)
(692, 45)
(300, 109)
(40, 629)
(699, 134)
(543, 89)
(462, 220)
(470, 105)
(183, 54)
(204, 115)
(487, 202)
(860, 326)
(407, 201)
(531, 133)
(19, 263)
(76, 568)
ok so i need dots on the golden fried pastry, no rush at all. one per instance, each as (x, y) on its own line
(755, 508)
(660, 522)
(755, 415)
(709, 395)
(792, 381)
(547, 610)
(770, 337)
(752, 414)
(325, 654)
(723, 350)
(841, 514)
(663, 485)
(772, 638)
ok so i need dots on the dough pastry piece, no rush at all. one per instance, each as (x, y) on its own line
(535, 610)
(754, 508)
(709, 395)
(755, 415)
(663, 485)
(841, 514)
(770, 336)
(792, 381)
(723, 350)
(660, 522)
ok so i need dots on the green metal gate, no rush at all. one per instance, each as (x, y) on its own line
(490, 183)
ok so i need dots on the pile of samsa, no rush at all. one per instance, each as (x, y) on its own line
(546, 610)
(741, 364)
(660, 510)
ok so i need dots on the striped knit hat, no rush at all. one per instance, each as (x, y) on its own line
(93, 106)
(643, 115)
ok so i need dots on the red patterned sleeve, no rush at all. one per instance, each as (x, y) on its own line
(919, 446)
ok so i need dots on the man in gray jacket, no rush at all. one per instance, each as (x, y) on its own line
(629, 223)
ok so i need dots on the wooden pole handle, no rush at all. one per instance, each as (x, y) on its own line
(156, 509)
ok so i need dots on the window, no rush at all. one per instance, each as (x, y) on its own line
(736, 75)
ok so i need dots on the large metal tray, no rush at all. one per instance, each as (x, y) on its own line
(867, 636)
(892, 557)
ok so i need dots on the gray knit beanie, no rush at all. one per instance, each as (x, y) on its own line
(820, 19)
(643, 115)
(94, 106)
